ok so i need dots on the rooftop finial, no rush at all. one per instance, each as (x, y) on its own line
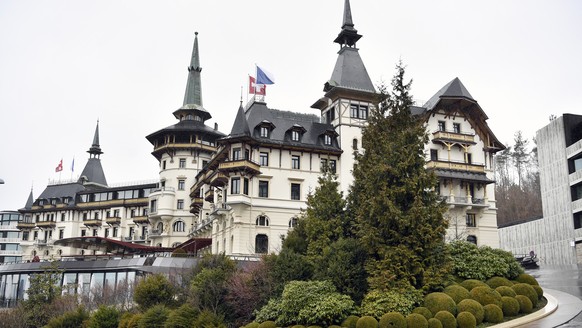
(95, 149)
(348, 35)
(348, 23)
(193, 94)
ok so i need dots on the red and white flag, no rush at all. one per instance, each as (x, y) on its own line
(256, 89)
(59, 167)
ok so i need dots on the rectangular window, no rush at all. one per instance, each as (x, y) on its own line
(163, 165)
(434, 155)
(295, 191)
(457, 127)
(204, 163)
(359, 111)
(153, 206)
(115, 229)
(471, 221)
(236, 154)
(295, 164)
(94, 232)
(180, 204)
(181, 184)
(62, 216)
(61, 233)
(264, 159)
(96, 216)
(246, 186)
(264, 132)
(182, 163)
(469, 158)
(354, 110)
(330, 115)
(332, 166)
(323, 165)
(25, 235)
(247, 154)
(363, 112)
(106, 232)
(115, 213)
(83, 233)
(442, 126)
(235, 186)
(132, 213)
(327, 139)
(295, 135)
(264, 189)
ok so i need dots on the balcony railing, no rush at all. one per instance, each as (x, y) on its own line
(245, 165)
(574, 149)
(218, 179)
(113, 220)
(141, 220)
(155, 232)
(219, 208)
(457, 166)
(465, 138)
(46, 224)
(464, 201)
(92, 222)
(43, 242)
(25, 225)
(209, 195)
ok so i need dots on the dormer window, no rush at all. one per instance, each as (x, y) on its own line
(295, 135)
(295, 132)
(264, 129)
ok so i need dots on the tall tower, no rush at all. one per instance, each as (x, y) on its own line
(349, 97)
(93, 171)
(182, 150)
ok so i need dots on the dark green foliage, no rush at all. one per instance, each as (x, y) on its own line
(447, 319)
(434, 323)
(466, 320)
(124, 320)
(71, 319)
(334, 326)
(526, 290)
(416, 320)
(493, 313)
(296, 239)
(208, 287)
(482, 263)
(44, 288)
(289, 266)
(135, 320)
(509, 306)
(392, 320)
(474, 307)
(469, 284)
(486, 295)
(498, 281)
(350, 321)
(525, 305)
(179, 252)
(208, 319)
(152, 290)
(378, 302)
(154, 317)
(399, 217)
(457, 292)
(437, 302)
(514, 269)
(105, 317)
(367, 322)
(423, 311)
(527, 279)
(182, 317)
(253, 325)
(268, 324)
(505, 291)
(297, 326)
(539, 291)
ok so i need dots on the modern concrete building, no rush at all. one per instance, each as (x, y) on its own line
(10, 250)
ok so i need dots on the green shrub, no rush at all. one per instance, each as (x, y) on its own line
(207, 318)
(416, 320)
(183, 317)
(457, 293)
(539, 291)
(296, 326)
(525, 305)
(179, 252)
(434, 323)
(367, 322)
(509, 306)
(466, 320)
(505, 291)
(313, 326)
(526, 290)
(350, 321)
(124, 320)
(498, 281)
(334, 326)
(255, 324)
(437, 301)
(486, 295)
(105, 317)
(447, 319)
(527, 279)
(376, 303)
(469, 284)
(424, 311)
(69, 319)
(392, 320)
(268, 324)
(473, 307)
(155, 316)
(135, 320)
(154, 289)
(482, 263)
(493, 313)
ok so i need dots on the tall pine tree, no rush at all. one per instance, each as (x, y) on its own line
(398, 215)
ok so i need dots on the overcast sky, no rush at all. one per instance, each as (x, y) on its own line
(66, 64)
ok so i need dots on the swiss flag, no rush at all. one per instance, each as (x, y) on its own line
(59, 167)
(256, 89)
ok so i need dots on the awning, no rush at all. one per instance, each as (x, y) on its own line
(110, 246)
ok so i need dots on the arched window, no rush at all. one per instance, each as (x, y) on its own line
(160, 227)
(261, 244)
(179, 226)
(262, 220)
(293, 222)
(472, 239)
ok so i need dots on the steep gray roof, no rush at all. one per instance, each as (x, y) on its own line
(453, 89)
(193, 93)
(350, 72)
(62, 190)
(29, 201)
(93, 172)
(186, 126)
(241, 125)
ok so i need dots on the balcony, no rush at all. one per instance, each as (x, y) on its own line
(22, 225)
(113, 220)
(92, 222)
(463, 201)
(43, 242)
(218, 179)
(457, 166)
(453, 137)
(196, 205)
(204, 225)
(171, 147)
(155, 233)
(209, 195)
(243, 165)
(219, 209)
(574, 149)
(575, 177)
(577, 206)
(46, 224)
(141, 220)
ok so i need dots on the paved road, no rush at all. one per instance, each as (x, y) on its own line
(563, 278)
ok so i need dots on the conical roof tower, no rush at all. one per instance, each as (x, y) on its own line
(93, 171)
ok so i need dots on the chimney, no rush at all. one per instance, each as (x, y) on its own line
(215, 126)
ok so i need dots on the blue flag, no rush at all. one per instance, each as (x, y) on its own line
(264, 77)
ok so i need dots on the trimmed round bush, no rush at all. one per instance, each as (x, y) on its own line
(416, 320)
(298, 326)
(457, 293)
(392, 319)
(493, 313)
(350, 321)
(434, 323)
(334, 326)
(447, 319)
(539, 291)
(314, 327)
(473, 307)
(367, 322)
(469, 284)
(498, 281)
(526, 290)
(253, 324)
(505, 291)
(423, 311)
(485, 295)
(268, 324)
(438, 301)
(527, 279)
(525, 305)
(466, 320)
(509, 306)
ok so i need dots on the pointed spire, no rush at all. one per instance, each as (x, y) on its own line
(29, 201)
(95, 149)
(241, 125)
(193, 94)
(348, 36)
(348, 23)
(453, 89)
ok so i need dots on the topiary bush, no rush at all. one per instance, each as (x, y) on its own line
(376, 302)
(350, 321)
(509, 306)
(268, 324)
(438, 301)
(105, 317)
(473, 307)
(447, 319)
(255, 324)
(416, 320)
(392, 320)
(367, 322)
(493, 313)
(423, 311)
(505, 291)
(466, 320)
(527, 279)
(498, 281)
(539, 291)
(434, 323)
(469, 284)
(526, 290)
(482, 263)
(334, 326)
(486, 295)
(525, 305)
(457, 293)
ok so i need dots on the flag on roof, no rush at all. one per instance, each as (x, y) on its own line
(264, 77)
(59, 167)
(256, 89)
